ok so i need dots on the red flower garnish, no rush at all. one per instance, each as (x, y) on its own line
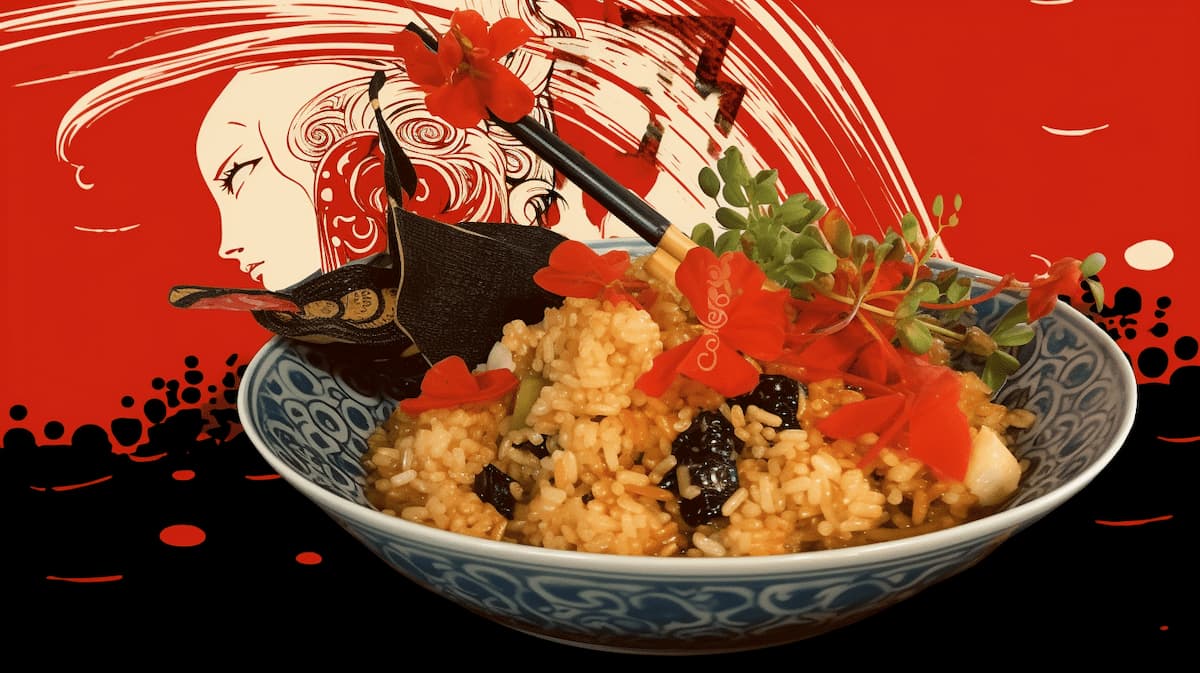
(739, 317)
(449, 384)
(1062, 278)
(921, 415)
(464, 80)
(576, 270)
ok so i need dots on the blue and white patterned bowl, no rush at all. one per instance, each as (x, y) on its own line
(309, 409)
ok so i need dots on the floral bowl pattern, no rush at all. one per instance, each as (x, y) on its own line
(308, 409)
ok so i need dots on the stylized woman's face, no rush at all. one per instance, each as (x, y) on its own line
(263, 192)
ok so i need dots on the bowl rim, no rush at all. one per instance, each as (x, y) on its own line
(996, 525)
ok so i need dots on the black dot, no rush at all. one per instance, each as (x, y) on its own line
(1159, 329)
(55, 430)
(191, 361)
(155, 410)
(158, 384)
(18, 412)
(190, 395)
(193, 376)
(1130, 333)
(1186, 348)
(127, 401)
(212, 388)
(1152, 362)
(1160, 314)
(230, 360)
(1163, 302)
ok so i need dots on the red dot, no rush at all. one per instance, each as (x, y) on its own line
(183, 475)
(182, 535)
(308, 558)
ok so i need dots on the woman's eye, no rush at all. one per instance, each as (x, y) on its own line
(228, 176)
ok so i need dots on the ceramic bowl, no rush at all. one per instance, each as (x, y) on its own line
(308, 410)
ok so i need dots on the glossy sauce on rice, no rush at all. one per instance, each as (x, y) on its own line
(587, 464)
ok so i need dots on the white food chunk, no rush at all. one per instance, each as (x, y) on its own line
(499, 358)
(993, 471)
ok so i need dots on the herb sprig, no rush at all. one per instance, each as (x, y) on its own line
(812, 251)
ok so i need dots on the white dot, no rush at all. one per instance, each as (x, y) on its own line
(326, 194)
(1149, 255)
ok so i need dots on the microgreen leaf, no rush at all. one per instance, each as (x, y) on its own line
(730, 218)
(798, 271)
(1097, 291)
(914, 335)
(1018, 314)
(735, 195)
(910, 228)
(1015, 335)
(728, 242)
(820, 259)
(997, 367)
(702, 234)
(710, 183)
(1092, 264)
(937, 206)
(838, 233)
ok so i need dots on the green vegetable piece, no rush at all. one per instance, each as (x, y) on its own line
(958, 201)
(702, 235)
(937, 206)
(527, 393)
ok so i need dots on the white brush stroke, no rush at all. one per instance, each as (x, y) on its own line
(1072, 132)
(116, 230)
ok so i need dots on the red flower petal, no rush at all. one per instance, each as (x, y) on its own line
(714, 363)
(576, 270)
(470, 25)
(757, 323)
(664, 370)
(938, 431)
(506, 35)
(450, 384)
(874, 414)
(1062, 278)
(422, 64)
(502, 92)
(458, 103)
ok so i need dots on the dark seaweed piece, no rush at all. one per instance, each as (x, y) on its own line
(708, 449)
(492, 487)
(538, 450)
(777, 394)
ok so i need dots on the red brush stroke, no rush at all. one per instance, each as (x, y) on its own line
(71, 487)
(86, 580)
(1177, 440)
(261, 477)
(1136, 522)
